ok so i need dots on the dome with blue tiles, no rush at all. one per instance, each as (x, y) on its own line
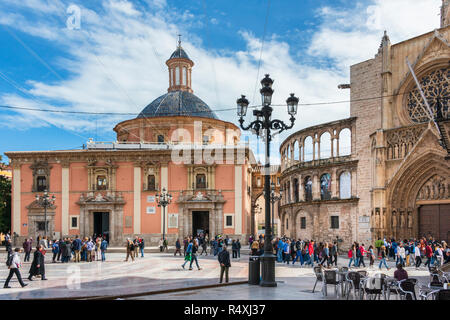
(177, 103)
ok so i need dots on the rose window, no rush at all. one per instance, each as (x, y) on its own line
(436, 87)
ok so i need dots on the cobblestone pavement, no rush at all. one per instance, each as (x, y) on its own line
(162, 271)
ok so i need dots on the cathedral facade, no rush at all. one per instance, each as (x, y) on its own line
(394, 180)
(176, 143)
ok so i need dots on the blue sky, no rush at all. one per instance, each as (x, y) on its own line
(115, 62)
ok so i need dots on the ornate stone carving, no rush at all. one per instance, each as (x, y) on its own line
(435, 85)
(436, 188)
(401, 141)
(394, 219)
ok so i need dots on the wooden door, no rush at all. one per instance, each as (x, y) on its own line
(434, 221)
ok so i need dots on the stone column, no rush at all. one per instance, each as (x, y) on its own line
(316, 187)
(16, 199)
(334, 183)
(301, 190)
(137, 200)
(65, 199)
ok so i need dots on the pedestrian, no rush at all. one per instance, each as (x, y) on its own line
(142, 246)
(383, 258)
(361, 258)
(161, 245)
(194, 256)
(351, 256)
(165, 245)
(177, 247)
(38, 264)
(234, 249)
(335, 253)
(238, 248)
(103, 247)
(27, 249)
(77, 248)
(130, 250)
(429, 255)
(90, 250)
(371, 255)
(55, 250)
(224, 260)
(255, 247)
(187, 256)
(418, 256)
(14, 265)
(400, 274)
(136, 246)
(325, 255)
(204, 246)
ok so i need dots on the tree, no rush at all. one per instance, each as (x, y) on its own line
(5, 204)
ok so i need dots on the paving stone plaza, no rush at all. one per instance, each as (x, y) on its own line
(158, 272)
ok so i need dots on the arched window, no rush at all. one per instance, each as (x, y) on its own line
(200, 180)
(102, 183)
(184, 79)
(307, 184)
(345, 142)
(308, 143)
(325, 186)
(296, 151)
(41, 183)
(151, 182)
(345, 185)
(177, 76)
(325, 146)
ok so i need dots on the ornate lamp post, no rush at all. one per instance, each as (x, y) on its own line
(274, 198)
(45, 201)
(265, 123)
(163, 200)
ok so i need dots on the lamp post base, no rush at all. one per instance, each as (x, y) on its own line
(268, 270)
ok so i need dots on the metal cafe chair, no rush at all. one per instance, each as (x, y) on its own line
(443, 294)
(330, 277)
(353, 281)
(403, 289)
(319, 276)
(373, 286)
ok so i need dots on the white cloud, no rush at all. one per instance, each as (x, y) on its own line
(117, 62)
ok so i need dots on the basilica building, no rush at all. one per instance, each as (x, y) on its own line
(176, 143)
(385, 171)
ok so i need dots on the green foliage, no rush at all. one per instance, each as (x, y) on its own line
(5, 204)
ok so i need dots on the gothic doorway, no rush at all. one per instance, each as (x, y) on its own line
(200, 222)
(434, 221)
(101, 224)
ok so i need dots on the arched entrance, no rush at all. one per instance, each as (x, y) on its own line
(419, 199)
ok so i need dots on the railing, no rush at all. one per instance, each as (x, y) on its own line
(319, 162)
(126, 145)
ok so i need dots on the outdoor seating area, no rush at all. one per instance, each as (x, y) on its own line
(359, 285)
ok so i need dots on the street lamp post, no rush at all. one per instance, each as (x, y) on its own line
(163, 200)
(274, 198)
(264, 123)
(45, 201)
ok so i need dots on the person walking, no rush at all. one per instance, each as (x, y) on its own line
(204, 246)
(55, 250)
(194, 255)
(383, 258)
(361, 258)
(371, 255)
(90, 250)
(187, 256)
(13, 265)
(225, 264)
(429, 255)
(334, 253)
(418, 256)
(142, 246)
(177, 247)
(161, 245)
(38, 264)
(325, 255)
(234, 249)
(130, 250)
(103, 248)
(351, 256)
(27, 249)
(136, 246)
(238, 248)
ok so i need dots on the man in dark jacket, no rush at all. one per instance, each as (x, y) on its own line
(224, 260)
(27, 249)
(76, 248)
(234, 249)
(177, 247)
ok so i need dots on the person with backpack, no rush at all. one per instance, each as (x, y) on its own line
(188, 256)
(103, 247)
(14, 264)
